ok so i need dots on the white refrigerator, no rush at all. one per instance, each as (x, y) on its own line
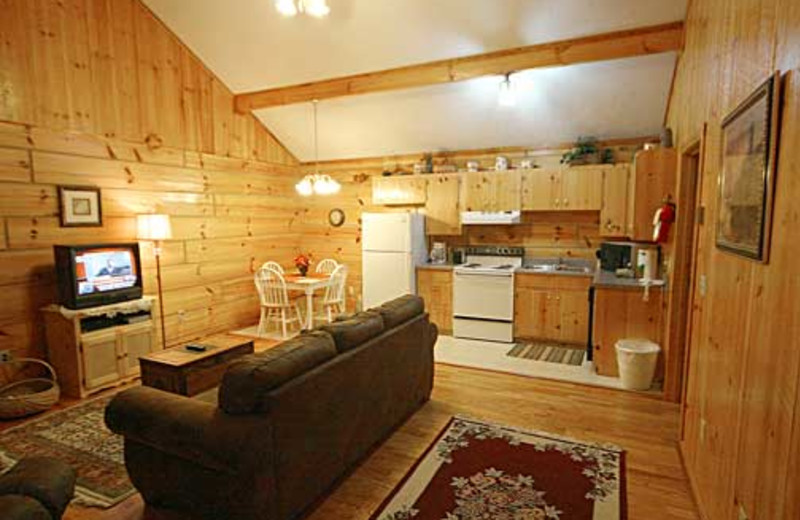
(392, 245)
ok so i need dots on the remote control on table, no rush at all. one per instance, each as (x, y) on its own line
(196, 348)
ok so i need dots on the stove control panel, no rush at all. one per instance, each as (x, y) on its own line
(510, 251)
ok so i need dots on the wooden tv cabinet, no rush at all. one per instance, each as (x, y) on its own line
(98, 348)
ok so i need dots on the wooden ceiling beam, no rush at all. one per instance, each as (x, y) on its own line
(608, 46)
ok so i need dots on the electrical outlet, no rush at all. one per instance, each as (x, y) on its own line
(5, 356)
(703, 285)
(703, 425)
(181, 316)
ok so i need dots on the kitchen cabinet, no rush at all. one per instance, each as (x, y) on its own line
(492, 191)
(614, 210)
(435, 286)
(578, 188)
(623, 313)
(652, 180)
(400, 190)
(443, 205)
(552, 307)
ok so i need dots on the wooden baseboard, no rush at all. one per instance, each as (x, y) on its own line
(698, 504)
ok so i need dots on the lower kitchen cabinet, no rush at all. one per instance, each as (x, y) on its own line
(435, 286)
(623, 313)
(551, 307)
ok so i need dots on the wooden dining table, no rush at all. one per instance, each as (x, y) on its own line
(308, 285)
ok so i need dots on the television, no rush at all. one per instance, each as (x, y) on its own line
(89, 276)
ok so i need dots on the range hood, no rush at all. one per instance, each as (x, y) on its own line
(490, 217)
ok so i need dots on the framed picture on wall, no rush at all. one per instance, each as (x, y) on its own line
(80, 206)
(747, 176)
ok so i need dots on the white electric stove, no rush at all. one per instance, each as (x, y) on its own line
(483, 293)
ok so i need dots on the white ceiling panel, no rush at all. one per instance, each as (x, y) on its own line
(250, 46)
(611, 99)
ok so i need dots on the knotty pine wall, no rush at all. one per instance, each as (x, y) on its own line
(741, 441)
(543, 234)
(99, 92)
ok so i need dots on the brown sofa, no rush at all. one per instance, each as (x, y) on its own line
(289, 422)
(36, 488)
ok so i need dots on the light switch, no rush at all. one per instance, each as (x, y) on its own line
(703, 285)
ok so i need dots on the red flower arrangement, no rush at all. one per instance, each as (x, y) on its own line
(302, 262)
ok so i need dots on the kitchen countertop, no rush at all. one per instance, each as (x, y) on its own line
(607, 279)
(436, 267)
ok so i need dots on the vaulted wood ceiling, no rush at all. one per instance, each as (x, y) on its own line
(251, 47)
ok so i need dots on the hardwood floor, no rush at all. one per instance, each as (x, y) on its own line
(647, 428)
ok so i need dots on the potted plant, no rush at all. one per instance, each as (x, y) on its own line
(585, 152)
(302, 262)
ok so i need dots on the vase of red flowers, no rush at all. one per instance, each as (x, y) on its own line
(301, 262)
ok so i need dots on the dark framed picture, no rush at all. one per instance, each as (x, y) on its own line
(80, 206)
(747, 176)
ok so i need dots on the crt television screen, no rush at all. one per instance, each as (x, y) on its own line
(105, 269)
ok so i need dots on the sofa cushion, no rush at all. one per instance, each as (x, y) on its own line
(248, 380)
(352, 332)
(400, 310)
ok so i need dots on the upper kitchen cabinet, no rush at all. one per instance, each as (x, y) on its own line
(614, 211)
(492, 191)
(652, 180)
(443, 207)
(540, 189)
(398, 190)
(568, 189)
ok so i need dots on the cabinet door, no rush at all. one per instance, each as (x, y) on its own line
(101, 358)
(436, 288)
(613, 214)
(581, 189)
(398, 190)
(574, 316)
(539, 190)
(443, 207)
(532, 313)
(135, 341)
(492, 191)
(653, 179)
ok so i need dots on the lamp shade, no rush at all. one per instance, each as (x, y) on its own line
(153, 227)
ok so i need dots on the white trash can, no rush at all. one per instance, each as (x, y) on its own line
(636, 360)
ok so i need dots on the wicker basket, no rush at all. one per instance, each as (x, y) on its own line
(31, 395)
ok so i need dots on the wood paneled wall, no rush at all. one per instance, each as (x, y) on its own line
(99, 92)
(742, 419)
(543, 234)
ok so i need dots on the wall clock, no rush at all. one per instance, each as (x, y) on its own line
(336, 217)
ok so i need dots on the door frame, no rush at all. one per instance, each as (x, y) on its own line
(681, 281)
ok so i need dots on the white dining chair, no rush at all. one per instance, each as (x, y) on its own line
(275, 302)
(333, 302)
(326, 266)
(273, 265)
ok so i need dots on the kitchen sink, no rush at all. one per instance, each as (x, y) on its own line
(559, 268)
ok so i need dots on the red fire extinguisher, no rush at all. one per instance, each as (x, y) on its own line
(662, 221)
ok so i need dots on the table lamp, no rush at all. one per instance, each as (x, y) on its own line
(156, 228)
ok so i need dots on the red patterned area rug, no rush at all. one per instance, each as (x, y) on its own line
(78, 436)
(480, 471)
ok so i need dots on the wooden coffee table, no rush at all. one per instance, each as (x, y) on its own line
(184, 372)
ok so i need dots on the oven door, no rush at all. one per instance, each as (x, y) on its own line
(483, 296)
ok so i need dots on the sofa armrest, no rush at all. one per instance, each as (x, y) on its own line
(49, 481)
(20, 507)
(191, 429)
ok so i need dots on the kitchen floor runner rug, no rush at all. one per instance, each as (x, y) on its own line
(549, 352)
(476, 470)
(78, 436)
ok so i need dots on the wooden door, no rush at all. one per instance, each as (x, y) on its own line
(398, 190)
(492, 191)
(581, 189)
(539, 190)
(443, 205)
(101, 358)
(135, 341)
(436, 288)
(573, 308)
(614, 209)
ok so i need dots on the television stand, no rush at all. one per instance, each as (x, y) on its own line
(99, 347)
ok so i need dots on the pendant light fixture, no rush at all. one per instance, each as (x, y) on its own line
(315, 8)
(316, 183)
(506, 96)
